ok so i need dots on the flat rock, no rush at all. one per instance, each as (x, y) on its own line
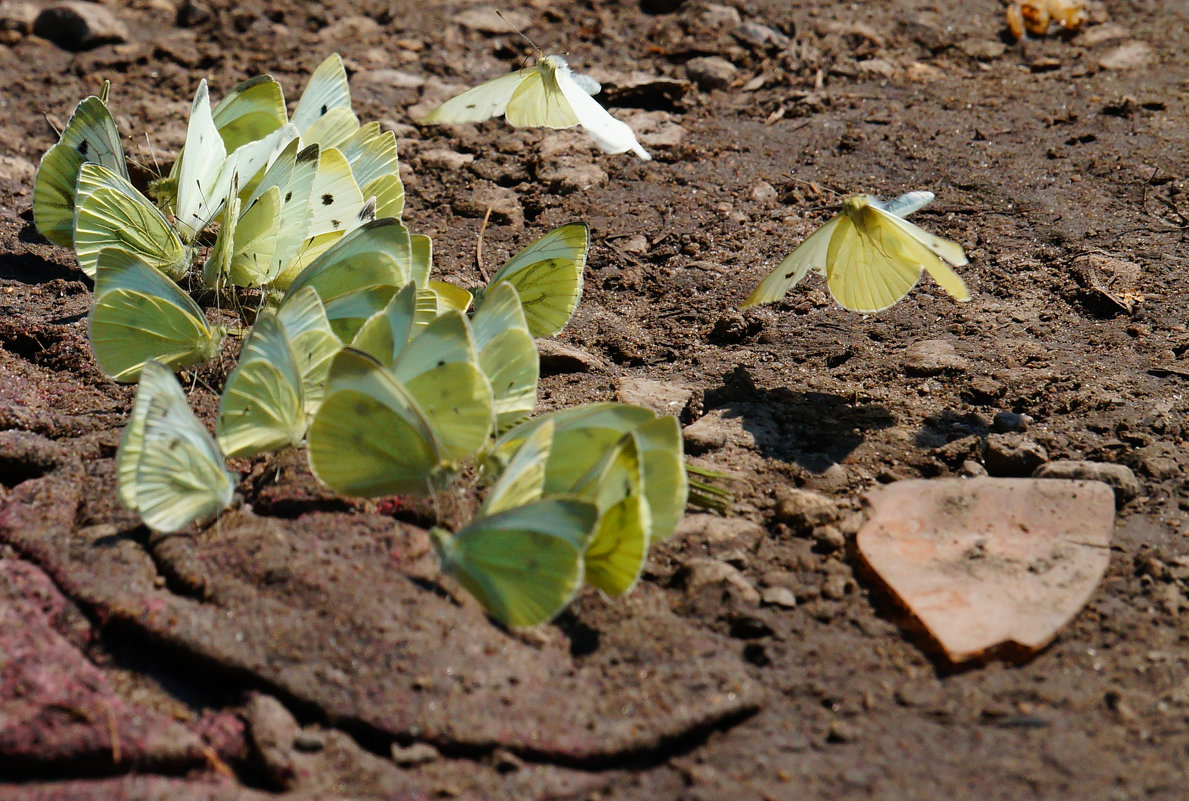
(504, 204)
(569, 174)
(149, 788)
(717, 429)
(803, 509)
(558, 358)
(80, 26)
(1118, 477)
(1126, 56)
(717, 535)
(932, 357)
(660, 396)
(443, 159)
(384, 87)
(17, 15)
(711, 72)
(759, 35)
(704, 572)
(357, 626)
(1012, 454)
(990, 563)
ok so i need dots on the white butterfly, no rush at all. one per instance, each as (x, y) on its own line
(548, 94)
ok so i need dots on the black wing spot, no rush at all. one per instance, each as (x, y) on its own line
(335, 224)
(324, 109)
(790, 274)
(288, 195)
(83, 146)
(327, 199)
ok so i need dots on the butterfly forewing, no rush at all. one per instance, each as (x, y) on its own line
(262, 407)
(89, 136)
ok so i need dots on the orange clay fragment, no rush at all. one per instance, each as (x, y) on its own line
(990, 563)
(1037, 16)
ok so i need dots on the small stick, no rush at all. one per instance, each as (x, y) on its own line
(479, 246)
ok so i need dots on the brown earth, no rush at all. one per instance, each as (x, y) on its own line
(306, 646)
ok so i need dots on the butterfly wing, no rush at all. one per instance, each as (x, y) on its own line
(313, 342)
(369, 437)
(89, 136)
(618, 545)
(548, 275)
(666, 485)
(255, 240)
(933, 252)
(202, 157)
(140, 315)
(327, 90)
(111, 213)
(868, 268)
(180, 476)
(386, 333)
(336, 206)
(523, 564)
(507, 354)
(539, 100)
(155, 380)
(487, 100)
(809, 255)
(438, 369)
(906, 204)
(610, 134)
(523, 480)
(262, 408)
(379, 253)
(250, 112)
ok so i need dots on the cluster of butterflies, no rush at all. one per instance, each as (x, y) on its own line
(395, 382)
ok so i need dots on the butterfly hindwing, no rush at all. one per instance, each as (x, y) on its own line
(89, 136)
(523, 564)
(140, 315)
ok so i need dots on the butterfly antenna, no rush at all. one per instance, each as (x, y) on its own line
(152, 154)
(53, 128)
(520, 33)
(479, 246)
(817, 189)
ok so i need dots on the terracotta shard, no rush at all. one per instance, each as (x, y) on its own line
(989, 562)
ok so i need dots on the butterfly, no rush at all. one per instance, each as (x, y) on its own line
(548, 276)
(871, 256)
(169, 468)
(262, 407)
(524, 564)
(507, 354)
(582, 438)
(313, 342)
(393, 422)
(89, 136)
(111, 213)
(618, 544)
(548, 94)
(140, 315)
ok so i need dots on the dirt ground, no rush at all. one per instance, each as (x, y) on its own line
(306, 648)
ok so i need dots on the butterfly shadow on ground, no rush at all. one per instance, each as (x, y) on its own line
(29, 268)
(813, 430)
